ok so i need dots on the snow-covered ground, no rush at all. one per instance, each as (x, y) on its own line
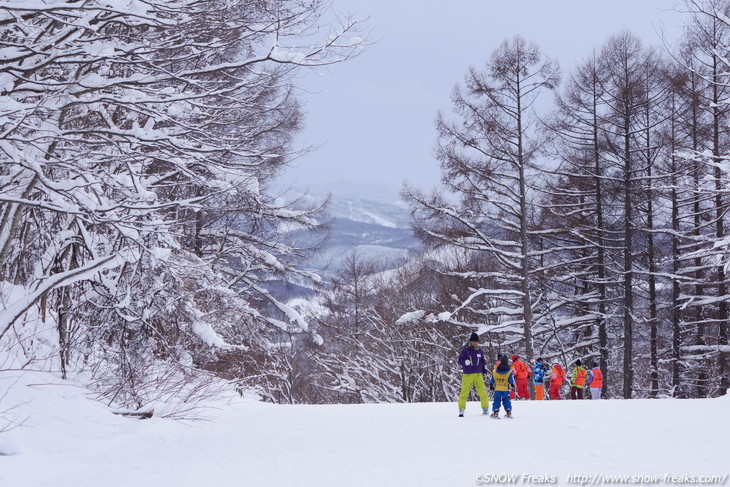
(71, 441)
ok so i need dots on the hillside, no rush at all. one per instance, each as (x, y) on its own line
(367, 218)
(71, 441)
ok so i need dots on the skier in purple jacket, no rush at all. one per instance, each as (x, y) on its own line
(473, 365)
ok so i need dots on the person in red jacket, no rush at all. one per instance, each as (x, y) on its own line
(557, 376)
(522, 373)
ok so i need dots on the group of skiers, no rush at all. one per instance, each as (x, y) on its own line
(511, 381)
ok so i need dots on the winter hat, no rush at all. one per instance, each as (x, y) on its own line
(539, 359)
(474, 337)
(514, 357)
(504, 360)
(578, 363)
(594, 365)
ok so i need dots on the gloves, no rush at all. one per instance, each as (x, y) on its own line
(491, 387)
(467, 362)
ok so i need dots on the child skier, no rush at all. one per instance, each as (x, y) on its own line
(502, 381)
(578, 380)
(557, 376)
(595, 381)
(473, 364)
(539, 379)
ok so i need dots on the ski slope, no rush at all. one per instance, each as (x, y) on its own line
(69, 440)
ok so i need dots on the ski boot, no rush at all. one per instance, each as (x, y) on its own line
(495, 414)
(461, 413)
(485, 411)
(509, 413)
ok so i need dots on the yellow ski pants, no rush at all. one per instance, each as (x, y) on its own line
(476, 380)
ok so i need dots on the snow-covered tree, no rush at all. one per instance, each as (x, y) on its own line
(705, 295)
(488, 160)
(138, 139)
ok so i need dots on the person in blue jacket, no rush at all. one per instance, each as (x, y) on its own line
(539, 379)
(472, 363)
(502, 380)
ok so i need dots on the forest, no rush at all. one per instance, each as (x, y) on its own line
(581, 213)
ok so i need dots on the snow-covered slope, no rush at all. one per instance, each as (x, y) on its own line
(71, 441)
(377, 204)
(366, 217)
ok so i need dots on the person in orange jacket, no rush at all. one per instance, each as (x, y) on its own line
(595, 381)
(578, 380)
(557, 376)
(522, 373)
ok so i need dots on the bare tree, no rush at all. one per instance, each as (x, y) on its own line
(630, 72)
(488, 157)
(706, 41)
(576, 202)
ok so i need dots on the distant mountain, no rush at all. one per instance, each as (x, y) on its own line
(366, 217)
(378, 204)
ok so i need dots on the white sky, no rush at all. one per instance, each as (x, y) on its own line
(374, 115)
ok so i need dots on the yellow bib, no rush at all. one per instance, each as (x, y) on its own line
(501, 380)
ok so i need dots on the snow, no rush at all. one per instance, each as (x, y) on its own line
(70, 440)
(410, 317)
(444, 316)
(13, 309)
(161, 254)
(285, 56)
(372, 217)
(208, 335)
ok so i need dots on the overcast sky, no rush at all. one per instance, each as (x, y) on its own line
(374, 115)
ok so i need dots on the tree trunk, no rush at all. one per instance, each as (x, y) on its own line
(653, 320)
(720, 225)
(676, 289)
(602, 331)
(628, 260)
(524, 250)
